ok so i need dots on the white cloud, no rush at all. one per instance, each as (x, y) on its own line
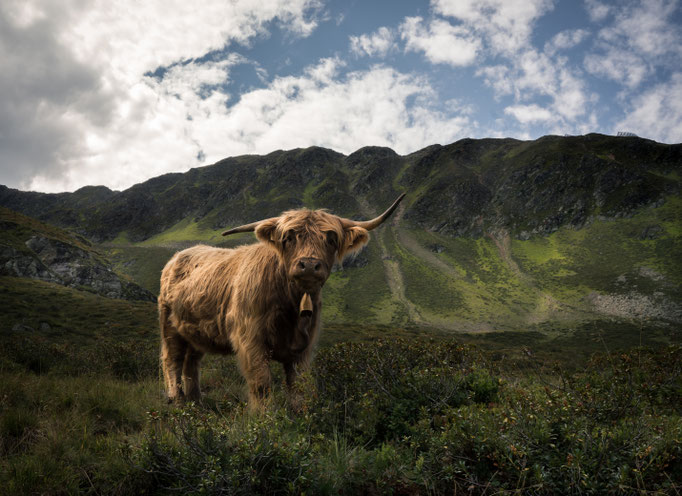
(501, 31)
(134, 37)
(532, 75)
(325, 109)
(657, 112)
(506, 25)
(72, 83)
(641, 37)
(565, 40)
(529, 113)
(499, 78)
(377, 44)
(619, 65)
(441, 42)
(597, 10)
(345, 113)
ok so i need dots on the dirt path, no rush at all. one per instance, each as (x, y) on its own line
(394, 277)
(406, 239)
(396, 281)
(547, 307)
(502, 240)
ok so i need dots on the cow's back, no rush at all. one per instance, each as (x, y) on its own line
(203, 282)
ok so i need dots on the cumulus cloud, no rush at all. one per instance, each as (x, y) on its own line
(500, 30)
(183, 127)
(73, 75)
(529, 113)
(597, 10)
(441, 42)
(377, 44)
(657, 112)
(565, 40)
(505, 24)
(532, 75)
(641, 38)
(360, 108)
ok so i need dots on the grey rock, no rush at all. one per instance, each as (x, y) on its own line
(54, 261)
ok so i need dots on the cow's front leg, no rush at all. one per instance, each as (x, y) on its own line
(256, 370)
(295, 394)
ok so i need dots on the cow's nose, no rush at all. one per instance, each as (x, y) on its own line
(309, 267)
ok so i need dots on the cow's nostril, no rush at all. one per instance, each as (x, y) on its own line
(301, 264)
(318, 266)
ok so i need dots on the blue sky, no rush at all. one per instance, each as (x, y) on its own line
(113, 93)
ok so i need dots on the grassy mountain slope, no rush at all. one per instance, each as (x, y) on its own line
(553, 267)
(418, 277)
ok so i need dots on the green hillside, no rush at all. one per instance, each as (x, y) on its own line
(623, 268)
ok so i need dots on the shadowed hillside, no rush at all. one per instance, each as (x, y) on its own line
(468, 188)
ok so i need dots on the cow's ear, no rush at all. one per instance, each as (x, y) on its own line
(353, 240)
(266, 231)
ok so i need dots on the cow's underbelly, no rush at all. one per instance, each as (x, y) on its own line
(205, 336)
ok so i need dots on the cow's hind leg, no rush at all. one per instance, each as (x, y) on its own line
(190, 373)
(173, 350)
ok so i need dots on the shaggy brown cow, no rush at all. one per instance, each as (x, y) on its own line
(260, 301)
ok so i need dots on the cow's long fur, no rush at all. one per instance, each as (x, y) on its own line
(243, 301)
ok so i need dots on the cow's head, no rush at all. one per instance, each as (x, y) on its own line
(310, 241)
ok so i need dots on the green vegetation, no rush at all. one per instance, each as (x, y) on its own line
(384, 416)
(609, 256)
(70, 316)
(385, 410)
(488, 283)
(185, 230)
(18, 228)
(143, 263)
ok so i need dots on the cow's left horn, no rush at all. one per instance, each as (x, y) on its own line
(376, 222)
(245, 228)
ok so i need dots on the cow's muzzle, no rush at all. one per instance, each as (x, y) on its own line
(310, 273)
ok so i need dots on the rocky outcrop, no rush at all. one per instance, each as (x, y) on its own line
(636, 306)
(62, 263)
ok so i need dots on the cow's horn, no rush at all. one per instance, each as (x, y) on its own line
(245, 228)
(374, 223)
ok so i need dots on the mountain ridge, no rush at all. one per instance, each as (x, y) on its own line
(463, 189)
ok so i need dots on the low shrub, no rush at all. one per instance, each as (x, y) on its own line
(432, 418)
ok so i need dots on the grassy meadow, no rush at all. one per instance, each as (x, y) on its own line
(445, 366)
(386, 410)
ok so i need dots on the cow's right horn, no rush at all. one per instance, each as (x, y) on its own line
(245, 228)
(376, 222)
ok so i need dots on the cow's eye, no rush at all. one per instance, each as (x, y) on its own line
(289, 238)
(332, 239)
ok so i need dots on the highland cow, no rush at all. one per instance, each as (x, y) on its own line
(260, 301)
